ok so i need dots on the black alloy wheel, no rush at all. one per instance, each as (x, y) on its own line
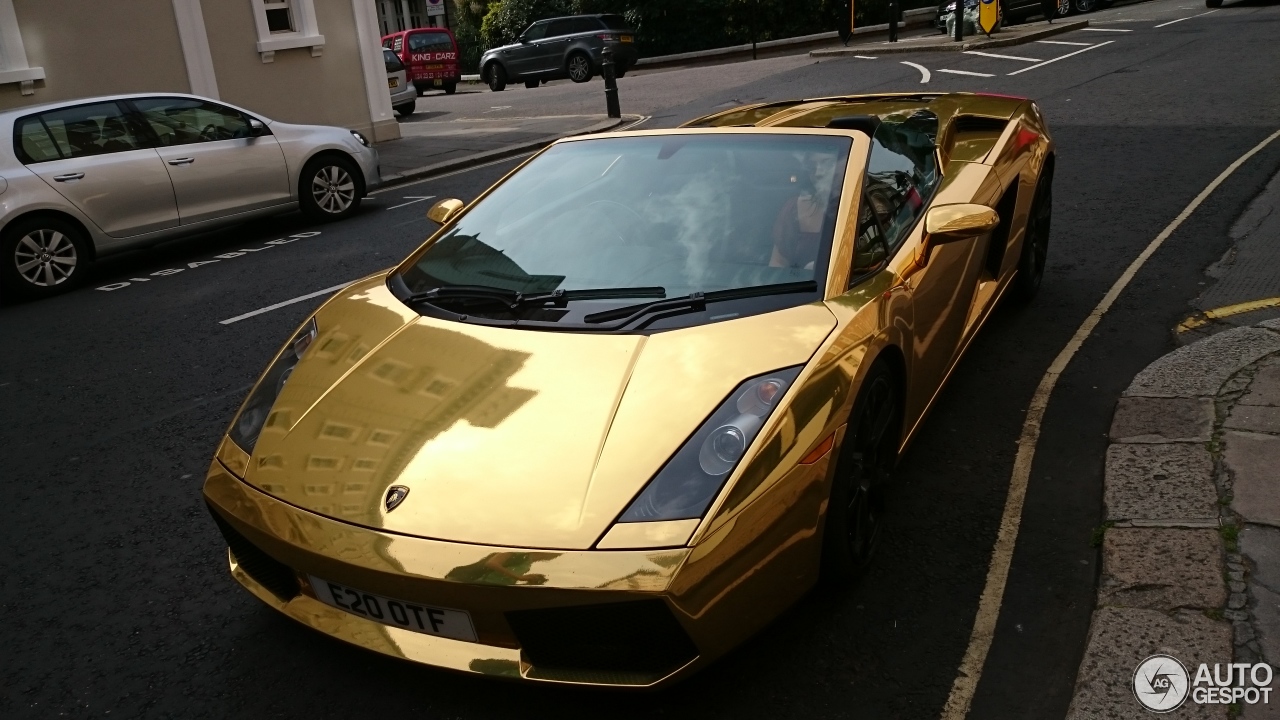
(868, 455)
(496, 77)
(1081, 7)
(1035, 244)
(42, 256)
(330, 188)
(579, 67)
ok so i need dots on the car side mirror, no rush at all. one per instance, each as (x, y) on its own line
(257, 128)
(445, 210)
(949, 223)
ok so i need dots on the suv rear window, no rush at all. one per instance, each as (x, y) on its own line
(430, 42)
(615, 22)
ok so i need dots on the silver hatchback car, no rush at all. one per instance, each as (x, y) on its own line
(84, 178)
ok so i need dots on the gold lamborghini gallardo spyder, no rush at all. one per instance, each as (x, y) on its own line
(624, 408)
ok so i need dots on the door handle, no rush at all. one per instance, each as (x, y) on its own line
(68, 176)
(182, 161)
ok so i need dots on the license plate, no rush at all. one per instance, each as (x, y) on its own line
(403, 614)
(393, 82)
(626, 38)
(436, 82)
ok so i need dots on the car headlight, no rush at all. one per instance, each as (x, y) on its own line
(249, 422)
(360, 138)
(686, 485)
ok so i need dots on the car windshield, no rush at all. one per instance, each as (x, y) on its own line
(684, 214)
(430, 42)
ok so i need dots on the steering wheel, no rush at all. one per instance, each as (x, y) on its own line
(640, 221)
(210, 132)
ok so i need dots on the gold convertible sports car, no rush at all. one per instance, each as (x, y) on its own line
(623, 409)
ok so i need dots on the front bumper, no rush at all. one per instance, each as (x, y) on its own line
(286, 545)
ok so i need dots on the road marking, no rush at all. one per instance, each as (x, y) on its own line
(1186, 18)
(1203, 318)
(1063, 57)
(1001, 57)
(866, 57)
(412, 199)
(966, 72)
(1061, 42)
(279, 305)
(1107, 29)
(984, 623)
(924, 71)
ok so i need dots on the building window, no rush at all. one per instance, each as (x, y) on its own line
(285, 24)
(13, 56)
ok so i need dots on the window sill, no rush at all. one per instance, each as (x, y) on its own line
(267, 48)
(23, 75)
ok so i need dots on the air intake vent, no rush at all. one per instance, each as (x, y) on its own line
(979, 124)
(270, 573)
(640, 641)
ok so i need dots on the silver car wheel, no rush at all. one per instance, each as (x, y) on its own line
(333, 189)
(45, 257)
(579, 68)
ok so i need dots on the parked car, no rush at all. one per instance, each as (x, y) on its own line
(84, 178)
(431, 56)
(559, 48)
(404, 95)
(1018, 10)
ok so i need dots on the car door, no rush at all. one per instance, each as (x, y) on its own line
(521, 58)
(550, 53)
(902, 177)
(96, 157)
(219, 168)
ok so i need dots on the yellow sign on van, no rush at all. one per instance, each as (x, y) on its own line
(988, 15)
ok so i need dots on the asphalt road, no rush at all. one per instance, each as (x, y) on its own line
(113, 583)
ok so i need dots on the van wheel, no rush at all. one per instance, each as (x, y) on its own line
(531, 84)
(330, 188)
(406, 109)
(579, 67)
(450, 88)
(42, 256)
(496, 76)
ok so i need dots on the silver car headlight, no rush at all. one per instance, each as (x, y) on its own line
(253, 415)
(684, 488)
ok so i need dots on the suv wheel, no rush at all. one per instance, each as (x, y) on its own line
(496, 76)
(42, 256)
(330, 188)
(579, 67)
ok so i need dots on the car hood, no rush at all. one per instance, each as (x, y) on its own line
(504, 437)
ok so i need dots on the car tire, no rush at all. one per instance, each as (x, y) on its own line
(531, 84)
(578, 66)
(620, 71)
(1213, 3)
(43, 256)
(450, 88)
(330, 188)
(1035, 243)
(1080, 7)
(406, 109)
(496, 76)
(867, 456)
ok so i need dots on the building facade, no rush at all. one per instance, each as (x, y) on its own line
(299, 61)
(397, 15)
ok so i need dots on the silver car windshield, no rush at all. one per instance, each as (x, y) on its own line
(683, 213)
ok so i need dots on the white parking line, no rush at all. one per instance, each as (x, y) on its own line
(1046, 62)
(279, 305)
(969, 674)
(1001, 57)
(866, 57)
(1061, 42)
(1186, 18)
(924, 71)
(1107, 29)
(412, 199)
(966, 72)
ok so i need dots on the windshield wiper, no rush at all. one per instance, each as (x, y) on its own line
(697, 301)
(514, 300)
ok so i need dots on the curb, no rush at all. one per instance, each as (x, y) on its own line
(1172, 578)
(952, 46)
(498, 153)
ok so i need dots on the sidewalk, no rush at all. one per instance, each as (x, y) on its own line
(1191, 540)
(934, 42)
(428, 147)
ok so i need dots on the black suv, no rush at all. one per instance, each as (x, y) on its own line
(559, 48)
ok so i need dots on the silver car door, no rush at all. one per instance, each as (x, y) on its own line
(97, 159)
(218, 166)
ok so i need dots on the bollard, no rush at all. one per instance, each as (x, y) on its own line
(959, 16)
(893, 20)
(610, 83)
